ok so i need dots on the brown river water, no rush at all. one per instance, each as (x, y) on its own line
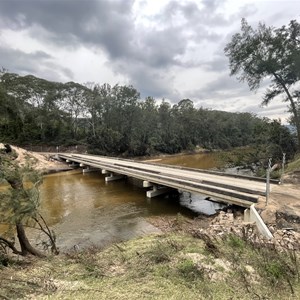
(85, 211)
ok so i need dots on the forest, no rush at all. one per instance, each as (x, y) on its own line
(114, 120)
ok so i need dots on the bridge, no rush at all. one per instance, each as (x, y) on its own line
(158, 178)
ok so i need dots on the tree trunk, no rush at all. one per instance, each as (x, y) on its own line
(26, 247)
(293, 107)
(297, 119)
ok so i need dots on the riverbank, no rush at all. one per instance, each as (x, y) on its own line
(182, 263)
(41, 162)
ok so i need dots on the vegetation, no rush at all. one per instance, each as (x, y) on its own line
(19, 206)
(294, 165)
(167, 266)
(114, 120)
(269, 53)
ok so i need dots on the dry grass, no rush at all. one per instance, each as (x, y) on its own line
(294, 165)
(168, 266)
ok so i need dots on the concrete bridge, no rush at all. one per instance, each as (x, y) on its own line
(158, 178)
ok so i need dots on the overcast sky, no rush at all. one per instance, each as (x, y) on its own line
(169, 49)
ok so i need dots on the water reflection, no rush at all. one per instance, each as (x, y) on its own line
(200, 203)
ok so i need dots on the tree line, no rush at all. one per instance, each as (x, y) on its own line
(114, 120)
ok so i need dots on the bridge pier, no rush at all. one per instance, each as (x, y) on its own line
(89, 169)
(156, 191)
(74, 165)
(147, 184)
(113, 177)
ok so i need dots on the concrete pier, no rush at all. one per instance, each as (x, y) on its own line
(113, 177)
(156, 191)
(147, 184)
(89, 169)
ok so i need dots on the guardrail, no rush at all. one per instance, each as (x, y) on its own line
(221, 191)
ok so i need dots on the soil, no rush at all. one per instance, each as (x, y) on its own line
(41, 162)
(283, 208)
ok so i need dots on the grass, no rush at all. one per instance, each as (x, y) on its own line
(294, 165)
(168, 266)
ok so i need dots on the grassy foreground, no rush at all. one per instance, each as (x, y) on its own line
(167, 266)
(294, 165)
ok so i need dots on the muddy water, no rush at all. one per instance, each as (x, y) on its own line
(199, 160)
(84, 210)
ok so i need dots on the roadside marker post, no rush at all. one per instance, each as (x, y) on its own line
(283, 165)
(268, 180)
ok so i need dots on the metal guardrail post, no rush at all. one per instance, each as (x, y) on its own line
(283, 165)
(268, 181)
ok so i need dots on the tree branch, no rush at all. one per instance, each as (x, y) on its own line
(10, 245)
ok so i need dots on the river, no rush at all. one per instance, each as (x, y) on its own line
(84, 210)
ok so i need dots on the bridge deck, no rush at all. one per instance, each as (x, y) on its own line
(235, 189)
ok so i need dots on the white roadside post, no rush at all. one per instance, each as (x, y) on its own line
(57, 147)
(283, 165)
(268, 180)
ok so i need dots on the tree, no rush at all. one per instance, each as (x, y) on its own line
(269, 53)
(19, 204)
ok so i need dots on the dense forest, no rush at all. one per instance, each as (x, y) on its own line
(114, 120)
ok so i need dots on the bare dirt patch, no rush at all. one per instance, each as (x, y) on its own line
(41, 162)
(283, 209)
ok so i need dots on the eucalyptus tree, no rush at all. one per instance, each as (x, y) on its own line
(269, 53)
(35, 101)
(72, 101)
(186, 120)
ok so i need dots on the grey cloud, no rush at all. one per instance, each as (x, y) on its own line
(212, 4)
(271, 111)
(224, 86)
(104, 23)
(150, 82)
(110, 25)
(194, 14)
(38, 63)
(217, 64)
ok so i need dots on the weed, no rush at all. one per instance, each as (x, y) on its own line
(235, 242)
(274, 270)
(162, 251)
(210, 246)
(89, 261)
(189, 270)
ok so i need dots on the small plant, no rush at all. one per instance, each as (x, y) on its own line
(274, 270)
(162, 251)
(189, 270)
(278, 268)
(235, 242)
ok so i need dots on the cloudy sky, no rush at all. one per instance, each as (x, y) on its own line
(169, 49)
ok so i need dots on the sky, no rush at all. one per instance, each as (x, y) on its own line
(171, 49)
